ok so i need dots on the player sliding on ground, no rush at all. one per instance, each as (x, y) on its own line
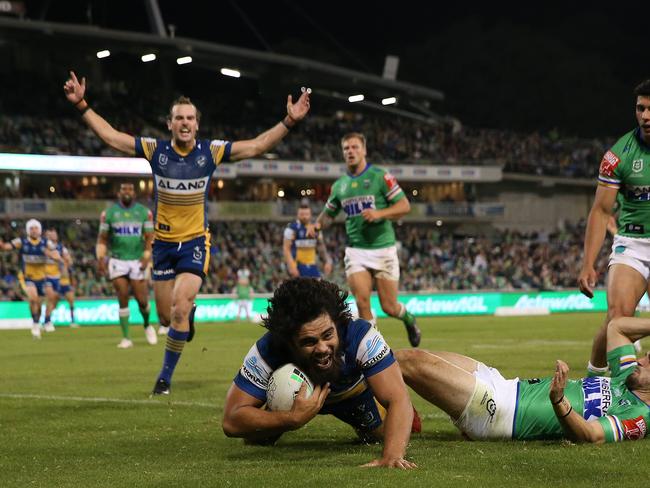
(484, 405)
(357, 379)
(182, 167)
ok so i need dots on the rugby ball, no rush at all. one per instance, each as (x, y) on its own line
(284, 385)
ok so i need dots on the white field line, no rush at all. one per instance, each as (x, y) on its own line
(121, 401)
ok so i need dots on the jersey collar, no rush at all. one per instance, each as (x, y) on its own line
(364, 170)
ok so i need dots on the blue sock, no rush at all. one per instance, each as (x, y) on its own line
(47, 318)
(173, 349)
(36, 317)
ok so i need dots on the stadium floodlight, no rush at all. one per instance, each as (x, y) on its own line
(148, 57)
(389, 101)
(103, 54)
(356, 98)
(233, 73)
(184, 60)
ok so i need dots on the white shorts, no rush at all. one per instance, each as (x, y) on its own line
(381, 263)
(490, 411)
(633, 252)
(130, 269)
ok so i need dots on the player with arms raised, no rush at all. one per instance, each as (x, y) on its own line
(370, 198)
(624, 171)
(182, 167)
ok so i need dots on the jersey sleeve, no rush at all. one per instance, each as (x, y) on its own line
(145, 147)
(103, 223)
(289, 233)
(220, 151)
(392, 191)
(619, 429)
(148, 223)
(333, 204)
(373, 353)
(622, 361)
(254, 374)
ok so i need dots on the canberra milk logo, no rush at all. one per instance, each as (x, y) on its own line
(574, 301)
(437, 306)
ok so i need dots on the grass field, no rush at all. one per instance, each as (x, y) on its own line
(74, 411)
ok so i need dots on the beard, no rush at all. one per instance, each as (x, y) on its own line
(126, 200)
(635, 382)
(320, 376)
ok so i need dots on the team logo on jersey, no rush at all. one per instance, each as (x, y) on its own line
(366, 184)
(201, 160)
(634, 429)
(354, 184)
(163, 159)
(609, 163)
(198, 253)
(637, 165)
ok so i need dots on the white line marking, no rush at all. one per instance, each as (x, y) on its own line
(105, 400)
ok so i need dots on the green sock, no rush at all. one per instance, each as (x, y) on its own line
(124, 322)
(408, 319)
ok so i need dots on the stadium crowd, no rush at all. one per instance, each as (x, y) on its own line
(431, 259)
(390, 140)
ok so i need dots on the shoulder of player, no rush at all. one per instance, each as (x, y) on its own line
(269, 353)
(354, 333)
(623, 147)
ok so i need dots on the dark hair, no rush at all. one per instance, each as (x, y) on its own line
(300, 300)
(183, 100)
(642, 89)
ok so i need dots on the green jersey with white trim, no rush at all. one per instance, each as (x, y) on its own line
(629, 416)
(374, 188)
(126, 227)
(622, 414)
(626, 168)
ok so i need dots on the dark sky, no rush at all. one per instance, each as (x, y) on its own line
(545, 65)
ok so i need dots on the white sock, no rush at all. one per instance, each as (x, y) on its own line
(596, 369)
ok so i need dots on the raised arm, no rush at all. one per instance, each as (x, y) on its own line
(244, 417)
(266, 140)
(625, 330)
(389, 389)
(599, 214)
(75, 91)
(576, 427)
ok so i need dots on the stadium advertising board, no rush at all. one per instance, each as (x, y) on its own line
(221, 309)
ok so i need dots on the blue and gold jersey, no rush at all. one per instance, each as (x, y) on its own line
(32, 256)
(182, 182)
(53, 268)
(364, 351)
(303, 248)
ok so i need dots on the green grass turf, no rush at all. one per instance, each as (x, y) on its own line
(74, 411)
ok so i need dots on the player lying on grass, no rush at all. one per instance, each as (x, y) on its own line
(484, 405)
(357, 379)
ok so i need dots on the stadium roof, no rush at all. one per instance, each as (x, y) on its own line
(334, 82)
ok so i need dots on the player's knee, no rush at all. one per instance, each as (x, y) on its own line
(408, 360)
(181, 311)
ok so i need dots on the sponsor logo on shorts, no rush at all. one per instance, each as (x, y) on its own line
(163, 272)
(197, 255)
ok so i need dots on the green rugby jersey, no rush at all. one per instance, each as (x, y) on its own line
(243, 291)
(626, 168)
(374, 188)
(126, 228)
(608, 400)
